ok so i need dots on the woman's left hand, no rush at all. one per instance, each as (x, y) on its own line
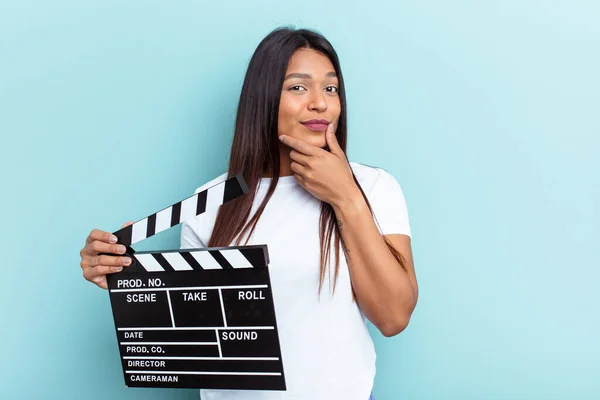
(326, 175)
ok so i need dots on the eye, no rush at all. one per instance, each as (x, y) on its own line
(296, 88)
(332, 89)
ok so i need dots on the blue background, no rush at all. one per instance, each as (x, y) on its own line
(486, 112)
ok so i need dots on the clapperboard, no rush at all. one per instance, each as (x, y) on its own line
(197, 318)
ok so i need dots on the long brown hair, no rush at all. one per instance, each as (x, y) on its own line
(255, 147)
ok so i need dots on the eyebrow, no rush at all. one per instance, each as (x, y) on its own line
(301, 75)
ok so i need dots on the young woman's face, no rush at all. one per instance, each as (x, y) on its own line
(309, 98)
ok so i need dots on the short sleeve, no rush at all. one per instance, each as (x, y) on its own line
(389, 205)
(189, 235)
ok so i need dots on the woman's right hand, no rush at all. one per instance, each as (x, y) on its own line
(96, 266)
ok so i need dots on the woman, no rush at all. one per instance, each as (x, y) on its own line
(309, 205)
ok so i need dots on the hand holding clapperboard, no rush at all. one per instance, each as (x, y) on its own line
(196, 318)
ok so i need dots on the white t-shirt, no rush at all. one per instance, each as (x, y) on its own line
(327, 352)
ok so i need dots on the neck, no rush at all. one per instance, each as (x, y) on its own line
(285, 162)
(285, 167)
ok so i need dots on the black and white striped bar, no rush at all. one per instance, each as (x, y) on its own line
(199, 259)
(181, 211)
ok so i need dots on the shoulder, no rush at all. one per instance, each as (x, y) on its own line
(212, 182)
(373, 178)
(196, 231)
(385, 197)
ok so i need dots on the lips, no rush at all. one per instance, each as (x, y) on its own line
(316, 124)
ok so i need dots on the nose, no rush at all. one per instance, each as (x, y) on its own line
(317, 102)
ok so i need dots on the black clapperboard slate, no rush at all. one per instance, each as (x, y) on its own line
(196, 318)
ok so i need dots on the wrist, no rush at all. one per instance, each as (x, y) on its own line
(351, 203)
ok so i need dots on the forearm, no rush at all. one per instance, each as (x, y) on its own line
(382, 287)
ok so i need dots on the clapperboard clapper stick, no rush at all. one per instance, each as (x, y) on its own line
(197, 318)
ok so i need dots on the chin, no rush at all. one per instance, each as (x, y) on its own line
(318, 141)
